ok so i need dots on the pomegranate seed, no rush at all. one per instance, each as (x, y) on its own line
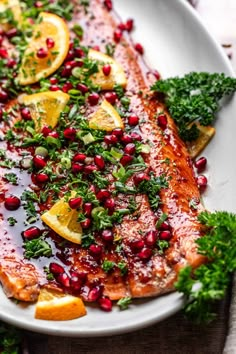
(63, 279)
(70, 55)
(41, 177)
(111, 97)
(133, 120)
(107, 236)
(31, 233)
(75, 283)
(90, 168)
(82, 88)
(140, 177)
(139, 48)
(79, 52)
(56, 268)
(151, 238)
(103, 194)
(39, 162)
(202, 182)
(80, 275)
(1, 113)
(67, 87)
(79, 157)
(25, 113)
(11, 63)
(87, 208)
(94, 293)
(162, 121)
(165, 235)
(77, 167)
(53, 80)
(38, 4)
(106, 69)
(118, 132)
(66, 71)
(137, 245)
(156, 74)
(86, 223)
(50, 43)
(99, 161)
(129, 24)
(122, 26)
(1, 39)
(93, 98)
(200, 164)
(42, 53)
(130, 149)
(53, 134)
(95, 250)
(117, 35)
(3, 96)
(109, 204)
(145, 254)
(126, 159)
(3, 53)
(75, 203)
(46, 130)
(135, 136)
(11, 33)
(108, 4)
(110, 139)
(12, 202)
(54, 88)
(126, 139)
(105, 303)
(96, 47)
(69, 133)
(165, 226)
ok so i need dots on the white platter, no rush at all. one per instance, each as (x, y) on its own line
(175, 43)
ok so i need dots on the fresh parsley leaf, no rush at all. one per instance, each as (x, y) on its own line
(208, 283)
(37, 248)
(124, 303)
(107, 266)
(11, 221)
(194, 98)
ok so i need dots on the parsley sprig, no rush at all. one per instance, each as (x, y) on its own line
(208, 283)
(194, 98)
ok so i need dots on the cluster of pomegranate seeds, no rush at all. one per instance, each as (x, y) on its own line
(200, 165)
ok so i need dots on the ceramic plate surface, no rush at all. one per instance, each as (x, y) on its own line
(175, 43)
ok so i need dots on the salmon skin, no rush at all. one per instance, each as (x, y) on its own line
(151, 244)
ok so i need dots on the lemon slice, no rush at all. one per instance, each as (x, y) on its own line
(63, 220)
(45, 107)
(34, 68)
(14, 6)
(116, 77)
(106, 118)
(56, 306)
(196, 146)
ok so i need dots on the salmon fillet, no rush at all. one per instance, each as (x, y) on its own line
(168, 157)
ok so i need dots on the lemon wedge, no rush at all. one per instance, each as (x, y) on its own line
(196, 146)
(106, 118)
(45, 107)
(56, 306)
(63, 220)
(116, 77)
(41, 59)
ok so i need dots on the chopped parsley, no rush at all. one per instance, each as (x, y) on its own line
(37, 248)
(107, 266)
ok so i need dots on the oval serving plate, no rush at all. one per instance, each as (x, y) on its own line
(175, 43)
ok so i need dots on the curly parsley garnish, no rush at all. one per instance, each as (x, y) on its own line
(194, 98)
(208, 283)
